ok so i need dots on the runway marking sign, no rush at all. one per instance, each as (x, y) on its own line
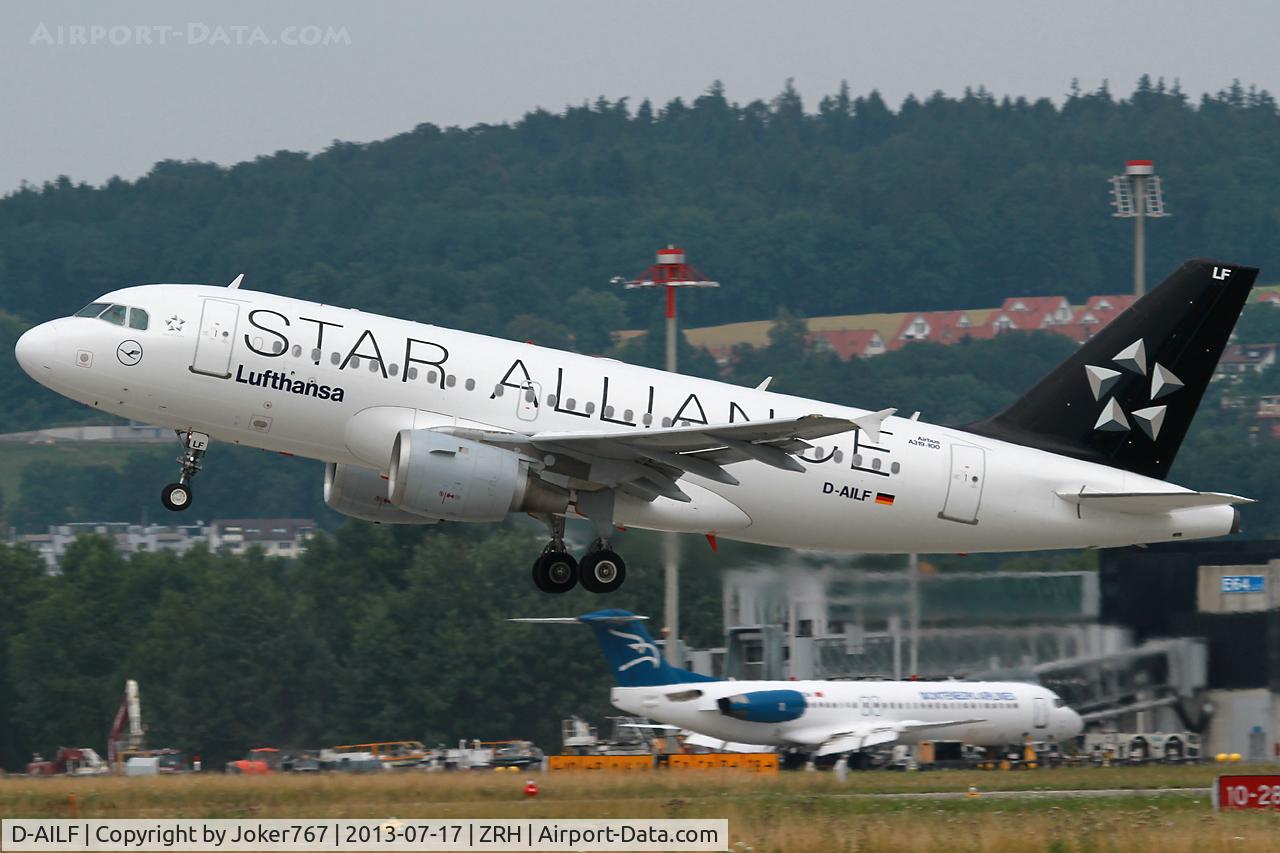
(1260, 791)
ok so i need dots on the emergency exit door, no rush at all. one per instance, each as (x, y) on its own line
(964, 490)
(216, 339)
(527, 402)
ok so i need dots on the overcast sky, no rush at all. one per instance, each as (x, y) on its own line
(208, 87)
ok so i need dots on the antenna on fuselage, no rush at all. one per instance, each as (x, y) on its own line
(235, 285)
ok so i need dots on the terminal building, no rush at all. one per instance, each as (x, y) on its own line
(1168, 638)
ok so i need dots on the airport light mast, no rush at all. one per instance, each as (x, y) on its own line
(1138, 195)
(670, 273)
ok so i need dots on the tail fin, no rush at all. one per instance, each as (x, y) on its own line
(1127, 396)
(629, 649)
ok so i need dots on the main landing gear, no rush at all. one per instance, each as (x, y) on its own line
(177, 496)
(556, 571)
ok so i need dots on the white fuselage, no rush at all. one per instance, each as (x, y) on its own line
(337, 384)
(994, 713)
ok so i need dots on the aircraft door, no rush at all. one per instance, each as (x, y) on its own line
(1040, 713)
(527, 401)
(216, 338)
(964, 489)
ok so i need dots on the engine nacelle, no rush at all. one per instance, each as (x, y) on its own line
(763, 706)
(444, 476)
(362, 493)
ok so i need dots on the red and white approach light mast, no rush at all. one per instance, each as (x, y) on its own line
(670, 272)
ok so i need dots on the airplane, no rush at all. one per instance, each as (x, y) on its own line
(419, 424)
(818, 717)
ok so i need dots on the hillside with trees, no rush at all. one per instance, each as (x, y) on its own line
(842, 204)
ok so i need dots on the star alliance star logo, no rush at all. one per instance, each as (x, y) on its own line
(175, 323)
(1132, 359)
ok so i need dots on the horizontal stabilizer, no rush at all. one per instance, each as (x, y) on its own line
(1148, 503)
(578, 620)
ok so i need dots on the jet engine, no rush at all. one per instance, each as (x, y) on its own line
(362, 493)
(763, 706)
(447, 477)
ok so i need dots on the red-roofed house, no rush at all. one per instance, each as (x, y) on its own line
(939, 327)
(1241, 358)
(849, 343)
(1101, 310)
(1270, 297)
(1026, 313)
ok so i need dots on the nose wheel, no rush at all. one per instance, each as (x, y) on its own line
(177, 496)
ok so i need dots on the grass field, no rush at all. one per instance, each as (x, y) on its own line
(800, 812)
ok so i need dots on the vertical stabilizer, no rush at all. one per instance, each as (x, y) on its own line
(1126, 398)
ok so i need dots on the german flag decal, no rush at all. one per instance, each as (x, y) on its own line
(884, 499)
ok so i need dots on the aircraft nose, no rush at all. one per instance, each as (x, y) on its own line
(35, 349)
(1074, 724)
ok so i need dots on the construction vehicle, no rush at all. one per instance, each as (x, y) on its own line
(513, 753)
(69, 761)
(127, 741)
(261, 761)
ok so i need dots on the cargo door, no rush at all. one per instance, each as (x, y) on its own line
(216, 339)
(964, 490)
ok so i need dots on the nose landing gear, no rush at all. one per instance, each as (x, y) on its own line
(177, 496)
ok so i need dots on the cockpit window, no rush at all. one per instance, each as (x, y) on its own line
(93, 309)
(114, 315)
(138, 319)
(1058, 703)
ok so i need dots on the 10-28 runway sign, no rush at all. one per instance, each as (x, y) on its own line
(1247, 792)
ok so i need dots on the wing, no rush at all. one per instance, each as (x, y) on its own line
(648, 462)
(836, 739)
(1146, 503)
(708, 742)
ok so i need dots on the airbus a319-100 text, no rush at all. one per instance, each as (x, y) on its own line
(420, 424)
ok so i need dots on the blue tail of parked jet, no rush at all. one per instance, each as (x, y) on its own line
(629, 649)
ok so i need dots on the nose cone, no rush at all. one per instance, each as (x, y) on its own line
(35, 350)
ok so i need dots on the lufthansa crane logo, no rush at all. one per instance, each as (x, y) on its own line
(129, 353)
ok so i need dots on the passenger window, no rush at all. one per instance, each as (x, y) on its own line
(114, 315)
(138, 319)
(93, 309)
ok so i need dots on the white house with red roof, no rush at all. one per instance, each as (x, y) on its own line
(1028, 313)
(939, 327)
(848, 343)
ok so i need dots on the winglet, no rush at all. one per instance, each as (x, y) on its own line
(870, 424)
(235, 285)
(765, 384)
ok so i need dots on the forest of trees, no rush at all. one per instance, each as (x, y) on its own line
(843, 205)
(515, 230)
(377, 632)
